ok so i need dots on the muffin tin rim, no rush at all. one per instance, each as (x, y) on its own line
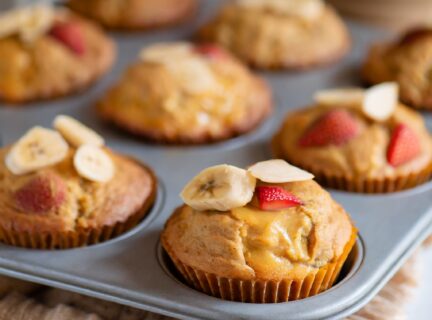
(257, 135)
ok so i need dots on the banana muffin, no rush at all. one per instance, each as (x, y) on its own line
(64, 189)
(187, 94)
(135, 14)
(46, 53)
(290, 34)
(406, 61)
(358, 140)
(267, 234)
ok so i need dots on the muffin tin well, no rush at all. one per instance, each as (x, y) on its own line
(131, 269)
(350, 267)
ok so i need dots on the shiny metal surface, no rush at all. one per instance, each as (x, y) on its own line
(127, 269)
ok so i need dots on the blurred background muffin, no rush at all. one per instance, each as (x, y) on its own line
(135, 14)
(47, 52)
(182, 93)
(406, 60)
(391, 14)
(279, 34)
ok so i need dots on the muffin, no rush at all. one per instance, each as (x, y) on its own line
(267, 234)
(186, 94)
(63, 189)
(135, 14)
(46, 53)
(290, 34)
(358, 140)
(406, 61)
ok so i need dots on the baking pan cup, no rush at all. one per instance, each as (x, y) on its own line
(262, 291)
(80, 236)
(360, 184)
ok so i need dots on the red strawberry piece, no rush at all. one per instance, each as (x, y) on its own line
(70, 34)
(211, 51)
(275, 198)
(404, 145)
(41, 194)
(334, 128)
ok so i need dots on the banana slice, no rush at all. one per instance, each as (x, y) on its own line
(380, 101)
(76, 133)
(166, 52)
(10, 23)
(307, 9)
(29, 22)
(278, 171)
(38, 148)
(191, 71)
(221, 188)
(38, 21)
(93, 163)
(194, 75)
(338, 97)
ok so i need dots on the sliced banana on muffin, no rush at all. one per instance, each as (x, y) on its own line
(224, 187)
(38, 148)
(93, 163)
(76, 133)
(220, 188)
(41, 147)
(377, 103)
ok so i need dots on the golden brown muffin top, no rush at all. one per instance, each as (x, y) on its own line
(282, 38)
(57, 198)
(184, 93)
(407, 61)
(249, 243)
(47, 67)
(364, 155)
(134, 13)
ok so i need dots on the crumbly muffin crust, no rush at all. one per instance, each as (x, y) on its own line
(87, 205)
(278, 40)
(247, 243)
(364, 156)
(152, 102)
(47, 69)
(135, 14)
(406, 61)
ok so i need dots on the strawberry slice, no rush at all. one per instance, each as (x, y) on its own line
(70, 34)
(404, 145)
(211, 51)
(41, 194)
(275, 198)
(334, 128)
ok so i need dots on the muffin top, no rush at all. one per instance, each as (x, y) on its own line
(35, 41)
(290, 33)
(48, 184)
(182, 93)
(356, 133)
(238, 226)
(134, 14)
(406, 61)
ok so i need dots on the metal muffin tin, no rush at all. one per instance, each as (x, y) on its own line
(133, 270)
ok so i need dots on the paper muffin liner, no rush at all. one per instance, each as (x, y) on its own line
(68, 239)
(363, 185)
(262, 291)
(370, 185)
(80, 236)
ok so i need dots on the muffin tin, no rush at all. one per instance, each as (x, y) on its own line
(133, 269)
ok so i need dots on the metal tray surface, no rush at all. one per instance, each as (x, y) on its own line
(131, 269)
